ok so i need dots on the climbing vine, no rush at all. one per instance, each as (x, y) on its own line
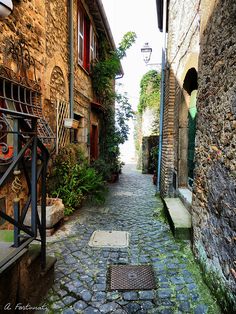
(105, 70)
(149, 98)
(115, 119)
(149, 91)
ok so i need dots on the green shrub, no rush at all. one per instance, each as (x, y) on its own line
(73, 180)
(103, 168)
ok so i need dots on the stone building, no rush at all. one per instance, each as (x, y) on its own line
(199, 134)
(46, 100)
(45, 27)
(62, 40)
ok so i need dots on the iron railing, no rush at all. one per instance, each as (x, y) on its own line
(28, 166)
(25, 138)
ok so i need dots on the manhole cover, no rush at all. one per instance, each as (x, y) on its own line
(112, 239)
(131, 277)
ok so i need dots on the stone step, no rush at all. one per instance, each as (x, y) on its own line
(179, 218)
(24, 281)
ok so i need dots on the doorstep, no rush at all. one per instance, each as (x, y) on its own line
(186, 196)
(179, 218)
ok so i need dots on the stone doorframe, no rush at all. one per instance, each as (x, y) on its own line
(189, 85)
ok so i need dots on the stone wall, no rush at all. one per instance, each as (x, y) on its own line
(150, 121)
(24, 282)
(44, 26)
(201, 37)
(214, 202)
(57, 54)
(27, 21)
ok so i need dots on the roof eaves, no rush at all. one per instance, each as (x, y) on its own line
(98, 13)
(107, 28)
(159, 5)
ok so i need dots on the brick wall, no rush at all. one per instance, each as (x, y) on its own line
(167, 165)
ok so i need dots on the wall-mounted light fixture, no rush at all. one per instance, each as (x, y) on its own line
(6, 7)
(146, 51)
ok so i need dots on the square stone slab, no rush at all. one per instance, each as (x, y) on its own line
(131, 277)
(111, 239)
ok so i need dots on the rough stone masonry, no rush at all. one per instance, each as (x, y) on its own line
(214, 201)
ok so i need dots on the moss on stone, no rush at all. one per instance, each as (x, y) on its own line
(193, 267)
(185, 255)
(6, 236)
(215, 281)
(159, 211)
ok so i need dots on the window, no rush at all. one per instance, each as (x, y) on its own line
(25, 100)
(81, 37)
(87, 43)
(93, 45)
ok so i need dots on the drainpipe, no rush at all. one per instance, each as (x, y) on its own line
(71, 58)
(163, 63)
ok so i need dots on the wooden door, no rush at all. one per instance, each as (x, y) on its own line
(94, 142)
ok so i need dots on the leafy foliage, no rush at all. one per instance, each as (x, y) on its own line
(123, 114)
(103, 168)
(149, 98)
(115, 120)
(150, 90)
(117, 128)
(73, 180)
(103, 72)
(153, 159)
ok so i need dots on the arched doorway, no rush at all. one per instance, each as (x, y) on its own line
(187, 130)
(192, 113)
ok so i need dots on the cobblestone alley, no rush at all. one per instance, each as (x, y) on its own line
(81, 271)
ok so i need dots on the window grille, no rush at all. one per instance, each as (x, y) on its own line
(21, 94)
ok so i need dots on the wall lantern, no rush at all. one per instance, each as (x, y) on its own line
(146, 51)
(6, 7)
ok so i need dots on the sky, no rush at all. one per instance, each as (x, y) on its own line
(140, 17)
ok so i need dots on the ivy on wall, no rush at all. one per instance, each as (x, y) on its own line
(103, 73)
(105, 70)
(149, 91)
(149, 98)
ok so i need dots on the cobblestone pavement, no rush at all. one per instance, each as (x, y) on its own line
(80, 274)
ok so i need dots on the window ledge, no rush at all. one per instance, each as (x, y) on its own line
(82, 68)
